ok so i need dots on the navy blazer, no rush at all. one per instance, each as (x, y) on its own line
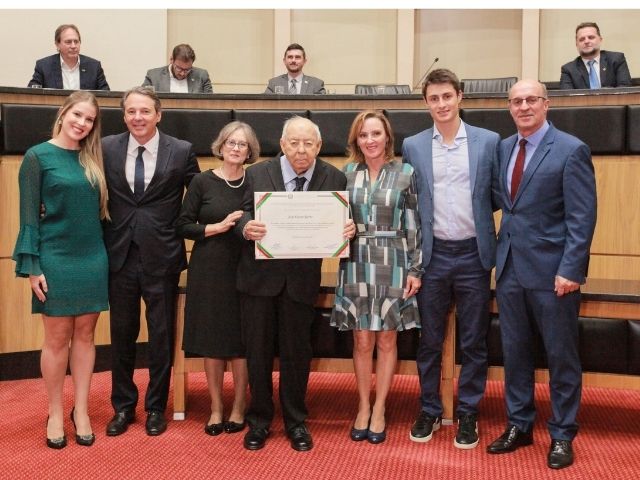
(483, 171)
(614, 72)
(150, 221)
(267, 278)
(48, 73)
(550, 223)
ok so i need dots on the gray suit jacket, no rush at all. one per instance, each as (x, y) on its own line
(310, 85)
(614, 72)
(483, 165)
(159, 78)
(550, 223)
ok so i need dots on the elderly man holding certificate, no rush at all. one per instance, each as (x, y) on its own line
(278, 294)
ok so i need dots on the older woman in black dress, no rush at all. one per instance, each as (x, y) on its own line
(212, 323)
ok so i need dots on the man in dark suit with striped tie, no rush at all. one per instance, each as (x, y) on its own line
(147, 172)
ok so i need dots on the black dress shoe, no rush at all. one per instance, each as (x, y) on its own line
(56, 443)
(255, 438)
(234, 427)
(214, 429)
(84, 440)
(120, 422)
(560, 454)
(156, 423)
(510, 440)
(300, 438)
(359, 434)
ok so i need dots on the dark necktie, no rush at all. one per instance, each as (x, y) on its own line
(292, 88)
(138, 179)
(518, 169)
(299, 184)
(594, 82)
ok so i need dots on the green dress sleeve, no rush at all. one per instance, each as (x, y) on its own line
(27, 251)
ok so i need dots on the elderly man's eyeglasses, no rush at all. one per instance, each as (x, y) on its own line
(531, 101)
(233, 144)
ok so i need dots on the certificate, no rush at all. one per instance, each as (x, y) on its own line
(302, 224)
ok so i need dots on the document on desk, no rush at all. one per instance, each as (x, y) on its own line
(302, 224)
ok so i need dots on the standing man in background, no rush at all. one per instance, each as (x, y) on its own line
(294, 82)
(68, 69)
(594, 68)
(147, 173)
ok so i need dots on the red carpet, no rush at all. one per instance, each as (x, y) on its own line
(608, 445)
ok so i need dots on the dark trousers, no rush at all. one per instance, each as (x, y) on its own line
(556, 318)
(266, 320)
(455, 271)
(126, 287)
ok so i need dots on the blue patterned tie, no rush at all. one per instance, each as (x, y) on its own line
(300, 184)
(138, 178)
(293, 90)
(594, 82)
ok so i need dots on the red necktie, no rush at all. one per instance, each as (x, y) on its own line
(518, 168)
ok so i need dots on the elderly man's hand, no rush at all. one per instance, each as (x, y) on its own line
(254, 230)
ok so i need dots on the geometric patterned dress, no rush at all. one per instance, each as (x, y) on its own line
(386, 248)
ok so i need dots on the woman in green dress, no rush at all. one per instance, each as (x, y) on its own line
(375, 296)
(60, 250)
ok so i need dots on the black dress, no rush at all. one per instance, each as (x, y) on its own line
(212, 312)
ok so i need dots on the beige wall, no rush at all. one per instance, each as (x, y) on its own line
(557, 37)
(472, 43)
(242, 48)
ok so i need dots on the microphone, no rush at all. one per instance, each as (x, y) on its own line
(423, 77)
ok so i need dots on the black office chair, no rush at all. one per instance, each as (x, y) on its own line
(383, 89)
(488, 85)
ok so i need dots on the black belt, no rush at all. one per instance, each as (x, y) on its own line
(466, 245)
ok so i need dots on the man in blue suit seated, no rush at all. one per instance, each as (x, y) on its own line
(547, 192)
(594, 68)
(455, 165)
(294, 82)
(180, 76)
(68, 69)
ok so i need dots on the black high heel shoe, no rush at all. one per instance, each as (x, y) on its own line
(55, 443)
(84, 440)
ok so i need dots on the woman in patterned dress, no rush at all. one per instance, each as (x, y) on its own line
(376, 289)
(63, 197)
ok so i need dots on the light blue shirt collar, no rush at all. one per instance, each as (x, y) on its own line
(289, 175)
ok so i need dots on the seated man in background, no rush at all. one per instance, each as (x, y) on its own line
(294, 82)
(68, 69)
(594, 68)
(180, 76)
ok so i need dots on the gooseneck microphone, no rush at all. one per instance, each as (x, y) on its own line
(423, 77)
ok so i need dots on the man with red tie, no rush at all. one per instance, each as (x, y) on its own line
(547, 193)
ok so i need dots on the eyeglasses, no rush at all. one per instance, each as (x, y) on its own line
(233, 144)
(517, 102)
(179, 69)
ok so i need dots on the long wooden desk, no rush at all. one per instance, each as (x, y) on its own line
(608, 299)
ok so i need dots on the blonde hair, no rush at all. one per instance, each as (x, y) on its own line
(90, 147)
(353, 150)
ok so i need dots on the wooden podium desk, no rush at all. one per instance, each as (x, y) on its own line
(610, 299)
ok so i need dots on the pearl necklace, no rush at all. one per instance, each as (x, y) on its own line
(227, 181)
